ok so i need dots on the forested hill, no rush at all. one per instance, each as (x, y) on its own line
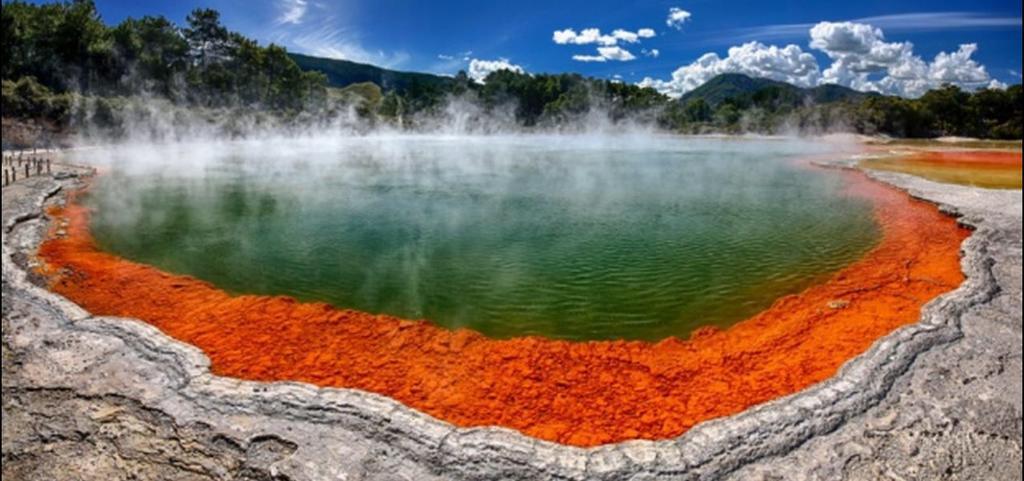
(66, 47)
(739, 88)
(64, 67)
(342, 73)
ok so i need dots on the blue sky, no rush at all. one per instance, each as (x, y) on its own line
(890, 46)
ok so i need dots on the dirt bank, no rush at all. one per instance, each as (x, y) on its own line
(582, 394)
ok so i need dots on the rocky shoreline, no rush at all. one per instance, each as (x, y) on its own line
(88, 397)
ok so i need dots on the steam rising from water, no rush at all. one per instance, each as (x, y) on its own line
(144, 119)
(577, 236)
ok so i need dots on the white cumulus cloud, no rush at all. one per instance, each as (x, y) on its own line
(677, 17)
(997, 85)
(840, 38)
(584, 37)
(959, 68)
(861, 58)
(626, 35)
(605, 54)
(615, 53)
(480, 69)
(788, 64)
(589, 36)
(589, 58)
(608, 44)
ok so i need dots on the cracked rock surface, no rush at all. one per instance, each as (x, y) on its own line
(90, 397)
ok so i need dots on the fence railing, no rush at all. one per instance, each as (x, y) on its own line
(24, 164)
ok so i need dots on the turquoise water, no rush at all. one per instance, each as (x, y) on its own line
(565, 237)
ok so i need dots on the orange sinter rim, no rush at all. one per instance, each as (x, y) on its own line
(966, 158)
(577, 393)
(990, 169)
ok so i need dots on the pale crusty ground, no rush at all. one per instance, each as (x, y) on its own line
(88, 397)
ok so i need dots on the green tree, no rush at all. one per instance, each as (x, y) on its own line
(391, 106)
(949, 106)
(728, 115)
(207, 38)
(152, 53)
(989, 109)
(697, 110)
(91, 40)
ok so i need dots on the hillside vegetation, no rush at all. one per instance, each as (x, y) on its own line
(67, 70)
(739, 88)
(341, 73)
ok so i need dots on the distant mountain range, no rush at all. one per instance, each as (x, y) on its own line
(342, 73)
(739, 87)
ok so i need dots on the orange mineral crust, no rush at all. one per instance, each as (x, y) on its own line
(969, 159)
(991, 169)
(578, 393)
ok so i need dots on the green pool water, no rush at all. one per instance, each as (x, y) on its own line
(564, 237)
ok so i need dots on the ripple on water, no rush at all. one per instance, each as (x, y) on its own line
(568, 243)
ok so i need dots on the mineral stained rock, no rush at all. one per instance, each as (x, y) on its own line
(578, 393)
(94, 397)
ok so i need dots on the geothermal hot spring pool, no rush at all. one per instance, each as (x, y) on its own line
(563, 286)
(577, 238)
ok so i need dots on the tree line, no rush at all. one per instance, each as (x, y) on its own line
(64, 47)
(58, 56)
(944, 111)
